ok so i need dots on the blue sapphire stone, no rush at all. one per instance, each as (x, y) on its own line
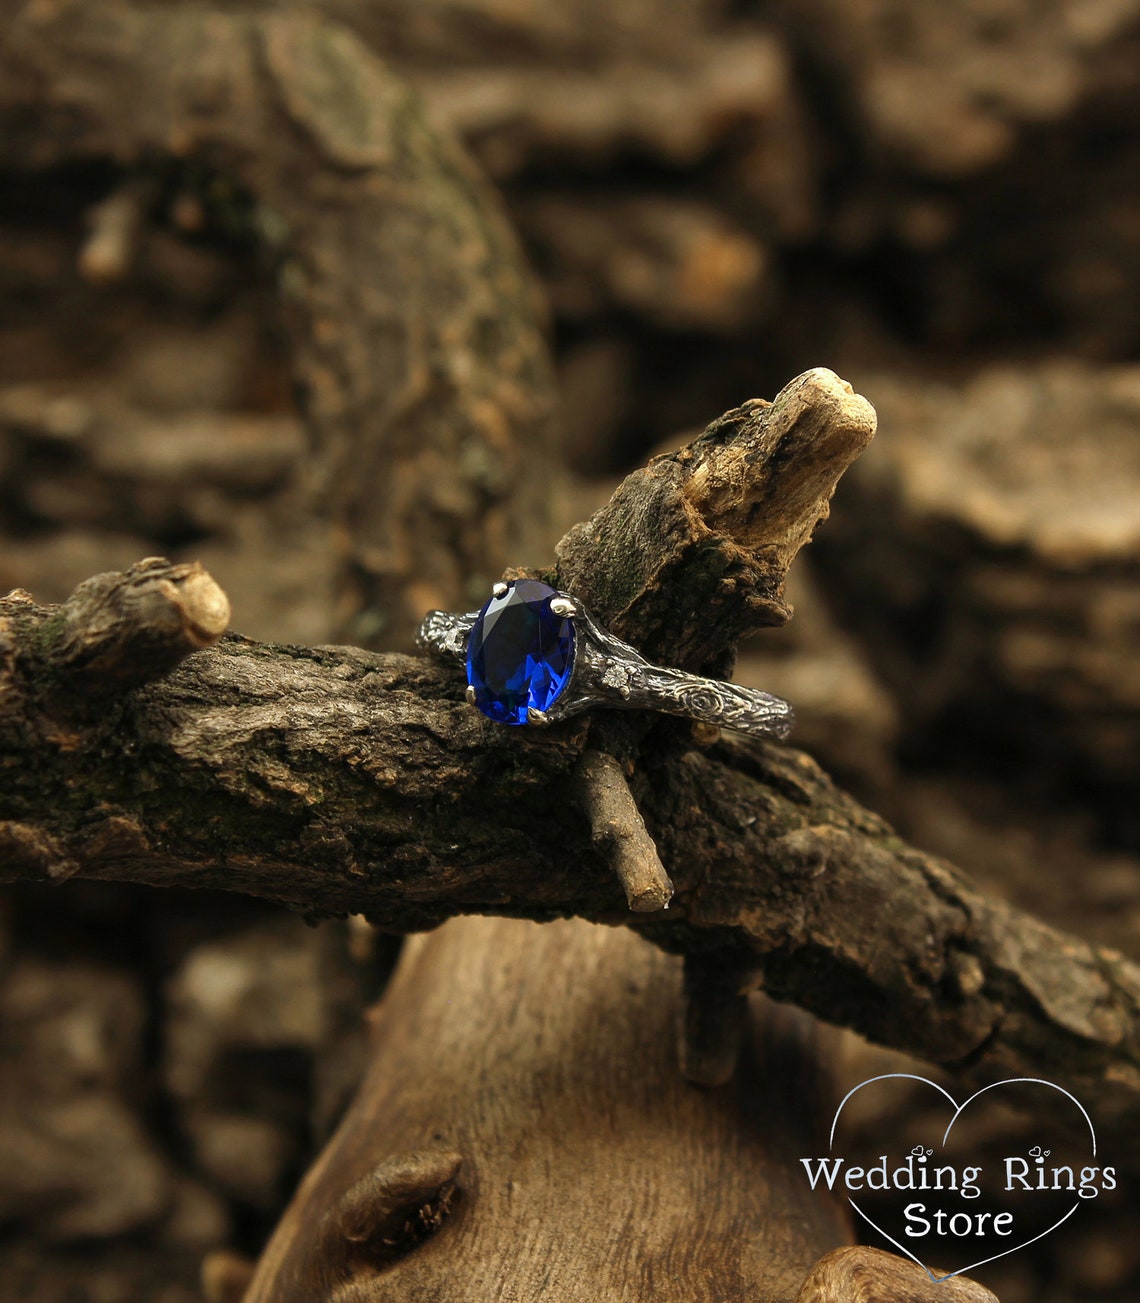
(520, 654)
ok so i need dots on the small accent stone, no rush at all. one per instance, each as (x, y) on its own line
(520, 655)
(616, 677)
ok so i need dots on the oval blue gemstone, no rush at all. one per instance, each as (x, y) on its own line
(520, 654)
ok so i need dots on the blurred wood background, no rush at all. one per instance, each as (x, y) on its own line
(941, 202)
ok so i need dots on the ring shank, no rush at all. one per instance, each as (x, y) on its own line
(610, 674)
(710, 701)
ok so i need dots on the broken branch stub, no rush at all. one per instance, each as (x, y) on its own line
(123, 630)
(115, 632)
(691, 553)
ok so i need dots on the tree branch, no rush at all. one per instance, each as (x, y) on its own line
(335, 780)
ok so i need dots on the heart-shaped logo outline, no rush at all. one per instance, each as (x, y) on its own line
(958, 1110)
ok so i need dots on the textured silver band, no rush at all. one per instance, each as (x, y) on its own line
(610, 673)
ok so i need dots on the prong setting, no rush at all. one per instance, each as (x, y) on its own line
(499, 589)
(470, 694)
(564, 606)
(537, 717)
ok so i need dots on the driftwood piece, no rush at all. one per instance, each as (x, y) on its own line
(523, 1121)
(413, 328)
(336, 781)
(859, 1274)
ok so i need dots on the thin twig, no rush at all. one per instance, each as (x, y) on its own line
(618, 829)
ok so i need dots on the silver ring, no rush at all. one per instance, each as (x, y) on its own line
(536, 656)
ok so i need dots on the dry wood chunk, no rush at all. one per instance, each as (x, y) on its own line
(244, 1021)
(863, 1275)
(73, 1155)
(589, 1169)
(987, 550)
(949, 86)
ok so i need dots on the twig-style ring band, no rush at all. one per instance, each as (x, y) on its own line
(536, 656)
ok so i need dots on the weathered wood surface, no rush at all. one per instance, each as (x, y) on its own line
(336, 781)
(523, 1127)
(859, 1274)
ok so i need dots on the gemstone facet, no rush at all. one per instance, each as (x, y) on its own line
(520, 655)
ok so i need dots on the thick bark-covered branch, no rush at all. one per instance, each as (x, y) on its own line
(691, 553)
(336, 780)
